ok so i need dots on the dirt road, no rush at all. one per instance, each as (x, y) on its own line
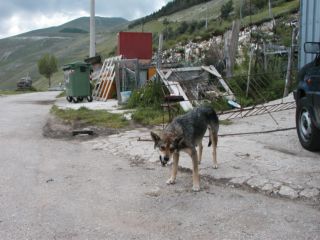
(58, 189)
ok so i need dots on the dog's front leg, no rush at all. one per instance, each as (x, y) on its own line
(200, 152)
(214, 150)
(195, 173)
(174, 169)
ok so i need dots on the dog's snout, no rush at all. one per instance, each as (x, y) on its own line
(164, 160)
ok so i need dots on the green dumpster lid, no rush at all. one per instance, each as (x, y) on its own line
(74, 65)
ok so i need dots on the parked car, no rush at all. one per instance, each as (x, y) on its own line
(307, 96)
(25, 83)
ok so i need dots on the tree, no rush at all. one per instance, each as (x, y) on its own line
(166, 24)
(183, 27)
(47, 65)
(226, 9)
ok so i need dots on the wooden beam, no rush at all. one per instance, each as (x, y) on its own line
(211, 69)
(175, 89)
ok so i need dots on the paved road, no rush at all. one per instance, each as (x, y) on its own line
(273, 163)
(58, 189)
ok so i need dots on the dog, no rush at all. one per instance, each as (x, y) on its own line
(185, 133)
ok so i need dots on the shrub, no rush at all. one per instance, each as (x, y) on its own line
(226, 9)
(151, 95)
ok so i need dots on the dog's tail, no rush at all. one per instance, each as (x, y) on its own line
(213, 124)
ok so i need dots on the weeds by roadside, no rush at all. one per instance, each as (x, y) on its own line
(147, 102)
(150, 116)
(13, 92)
(91, 117)
(62, 94)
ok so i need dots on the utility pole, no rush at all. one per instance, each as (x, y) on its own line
(92, 51)
(159, 60)
(206, 15)
(241, 5)
(231, 39)
(270, 10)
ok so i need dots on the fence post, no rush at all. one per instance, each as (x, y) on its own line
(290, 57)
(288, 75)
(249, 71)
(117, 71)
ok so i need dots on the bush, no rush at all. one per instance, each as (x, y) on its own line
(150, 116)
(151, 95)
(226, 9)
(183, 27)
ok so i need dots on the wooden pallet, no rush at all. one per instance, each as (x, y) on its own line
(102, 89)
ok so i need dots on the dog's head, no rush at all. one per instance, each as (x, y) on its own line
(167, 144)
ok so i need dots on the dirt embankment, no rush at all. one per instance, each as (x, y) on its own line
(59, 129)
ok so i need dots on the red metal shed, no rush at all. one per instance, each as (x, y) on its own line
(133, 45)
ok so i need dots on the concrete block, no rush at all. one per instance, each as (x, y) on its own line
(288, 192)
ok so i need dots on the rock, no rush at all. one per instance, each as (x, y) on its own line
(288, 192)
(257, 182)
(276, 185)
(85, 131)
(309, 193)
(154, 192)
(49, 180)
(238, 180)
(268, 188)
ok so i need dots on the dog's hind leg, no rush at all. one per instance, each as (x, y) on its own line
(174, 169)
(214, 140)
(200, 152)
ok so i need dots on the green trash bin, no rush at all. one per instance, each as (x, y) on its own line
(77, 82)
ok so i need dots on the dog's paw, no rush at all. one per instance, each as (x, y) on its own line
(196, 188)
(215, 166)
(171, 181)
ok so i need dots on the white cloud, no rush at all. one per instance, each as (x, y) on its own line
(18, 16)
(21, 23)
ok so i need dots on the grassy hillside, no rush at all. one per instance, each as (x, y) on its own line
(19, 54)
(102, 25)
(216, 26)
(199, 12)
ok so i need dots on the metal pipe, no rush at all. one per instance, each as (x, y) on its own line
(92, 52)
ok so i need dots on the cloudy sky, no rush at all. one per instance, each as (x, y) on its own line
(18, 16)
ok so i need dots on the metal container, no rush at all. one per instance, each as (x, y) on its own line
(135, 45)
(77, 81)
(309, 28)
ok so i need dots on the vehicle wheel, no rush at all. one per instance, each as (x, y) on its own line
(89, 98)
(309, 135)
(69, 99)
(75, 100)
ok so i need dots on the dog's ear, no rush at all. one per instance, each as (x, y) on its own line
(155, 137)
(179, 142)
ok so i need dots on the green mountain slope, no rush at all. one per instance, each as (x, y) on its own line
(102, 25)
(19, 54)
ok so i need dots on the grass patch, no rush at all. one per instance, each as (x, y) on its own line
(150, 116)
(147, 104)
(84, 115)
(13, 92)
(62, 94)
(225, 122)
